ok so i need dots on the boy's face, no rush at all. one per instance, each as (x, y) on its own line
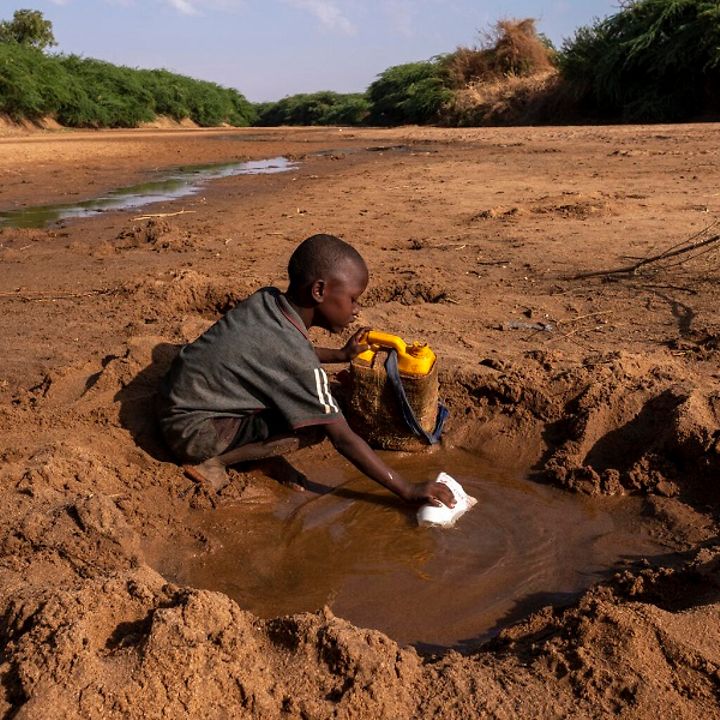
(337, 296)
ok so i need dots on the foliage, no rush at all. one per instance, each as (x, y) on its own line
(654, 60)
(410, 93)
(320, 108)
(82, 92)
(28, 27)
(511, 48)
(31, 84)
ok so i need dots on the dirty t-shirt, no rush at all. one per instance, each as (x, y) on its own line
(256, 357)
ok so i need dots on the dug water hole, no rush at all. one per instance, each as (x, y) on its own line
(359, 550)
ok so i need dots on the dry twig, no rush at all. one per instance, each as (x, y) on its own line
(163, 215)
(682, 248)
(40, 296)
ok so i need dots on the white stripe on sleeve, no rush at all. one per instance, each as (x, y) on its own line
(319, 387)
(328, 396)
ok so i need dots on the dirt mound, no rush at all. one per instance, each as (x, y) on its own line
(140, 647)
(618, 424)
(157, 233)
(572, 206)
(186, 291)
(633, 428)
(15, 242)
(618, 655)
(405, 293)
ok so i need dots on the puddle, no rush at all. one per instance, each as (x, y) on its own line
(359, 551)
(183, 182)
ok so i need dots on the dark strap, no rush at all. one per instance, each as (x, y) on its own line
(391, 368)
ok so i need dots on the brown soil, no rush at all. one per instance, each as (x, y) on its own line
(603, 386)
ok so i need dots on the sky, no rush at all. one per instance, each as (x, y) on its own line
(268, 49)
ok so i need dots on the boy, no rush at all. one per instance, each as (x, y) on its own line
(252, 386)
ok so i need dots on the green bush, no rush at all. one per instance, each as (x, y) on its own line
(32, 85)
(655, 60)
(110, 96)
(169, 91)
(410, 93)
(321, 108)
(82, 92)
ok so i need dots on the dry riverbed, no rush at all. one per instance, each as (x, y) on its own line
(604, 386)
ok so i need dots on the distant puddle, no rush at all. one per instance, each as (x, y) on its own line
(184, 181)
(359, 551)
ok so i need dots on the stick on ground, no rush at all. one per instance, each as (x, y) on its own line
(673, 251)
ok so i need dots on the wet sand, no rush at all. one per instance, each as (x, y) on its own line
(606, 388)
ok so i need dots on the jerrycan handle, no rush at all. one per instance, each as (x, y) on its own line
(377, 338)
(416, 359)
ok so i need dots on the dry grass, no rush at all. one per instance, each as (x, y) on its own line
(512, 48)
(510, 79)
(508, 100)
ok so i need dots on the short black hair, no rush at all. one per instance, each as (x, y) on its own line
(317, 257)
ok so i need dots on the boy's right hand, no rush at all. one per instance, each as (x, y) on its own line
(432, 492)
(356, 344)
(358, 452)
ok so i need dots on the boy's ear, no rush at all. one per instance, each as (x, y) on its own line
(317, 290)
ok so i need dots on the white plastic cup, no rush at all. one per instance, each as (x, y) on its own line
(441, 515)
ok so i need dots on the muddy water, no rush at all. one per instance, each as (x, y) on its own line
(180, 183)
(360, 551)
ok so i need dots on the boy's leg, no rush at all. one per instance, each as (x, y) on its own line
(213, 470)
(272, 447)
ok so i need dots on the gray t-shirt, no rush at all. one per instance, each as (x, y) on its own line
(256, 357)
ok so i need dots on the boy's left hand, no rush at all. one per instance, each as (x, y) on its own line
(354, 346)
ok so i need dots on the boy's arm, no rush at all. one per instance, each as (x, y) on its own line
(359, 453)
(344, 354)
(331, 355)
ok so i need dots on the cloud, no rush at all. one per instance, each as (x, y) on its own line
(184, 7)
(327, 12)
(196, 7)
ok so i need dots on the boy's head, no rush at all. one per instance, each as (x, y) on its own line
(328, 276)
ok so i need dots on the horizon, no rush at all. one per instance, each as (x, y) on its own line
(279, 48)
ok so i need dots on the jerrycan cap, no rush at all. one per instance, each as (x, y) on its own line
(419, 350)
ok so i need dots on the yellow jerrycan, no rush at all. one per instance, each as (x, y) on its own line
(385, 415)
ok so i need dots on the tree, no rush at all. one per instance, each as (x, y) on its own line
(654, 60)
(409, 93)
(28, 27)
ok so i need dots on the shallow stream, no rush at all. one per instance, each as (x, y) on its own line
(358, 550)
(179, 183)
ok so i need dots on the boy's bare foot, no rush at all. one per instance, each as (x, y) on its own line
(212, 472)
